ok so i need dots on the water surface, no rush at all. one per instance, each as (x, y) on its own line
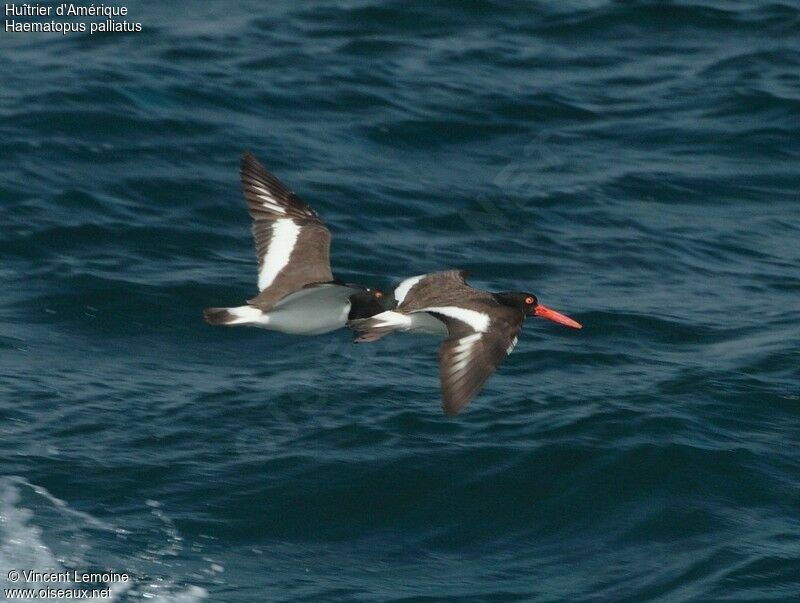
(633, 164)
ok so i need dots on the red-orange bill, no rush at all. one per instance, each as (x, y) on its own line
(545, 312)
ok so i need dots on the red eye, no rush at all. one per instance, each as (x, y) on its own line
(529, 300)
(378, 294)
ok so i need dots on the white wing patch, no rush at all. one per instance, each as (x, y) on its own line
(284, 237)
(403, 288)
(267, 199)
(512, 346)
(462, 352)
(478, 321)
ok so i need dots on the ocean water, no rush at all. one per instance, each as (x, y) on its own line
(634, 164)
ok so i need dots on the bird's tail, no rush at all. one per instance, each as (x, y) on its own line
(374, 327)
(233, 316)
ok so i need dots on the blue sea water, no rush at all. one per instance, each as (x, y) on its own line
(635, 164)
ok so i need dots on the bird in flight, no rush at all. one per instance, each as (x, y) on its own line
(297, 291)
(480, 328)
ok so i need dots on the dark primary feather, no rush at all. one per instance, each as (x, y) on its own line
(254, 177)
(464, 367)
(310, 260)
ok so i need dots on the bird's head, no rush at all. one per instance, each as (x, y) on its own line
(368, 302)
(530, 306)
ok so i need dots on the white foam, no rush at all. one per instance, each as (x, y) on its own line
(31, 517)
(191, 595)
(21, 544)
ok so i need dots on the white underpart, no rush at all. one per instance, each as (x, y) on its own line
(311, 311)
(416, 322)
(478, 321)
(268, 200)
(403, 288)
(512, 346)
(422, 322)
(462, 352)
(284, 237)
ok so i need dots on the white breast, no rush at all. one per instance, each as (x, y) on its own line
(311, 311)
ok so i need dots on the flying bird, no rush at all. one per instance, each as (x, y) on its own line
(480, 328)
(297, 291)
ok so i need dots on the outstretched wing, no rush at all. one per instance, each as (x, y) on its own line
(292, 243)
(475, 346)
(411, 296)
(436, 288)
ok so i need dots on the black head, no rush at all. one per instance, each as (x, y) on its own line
(368, 302)
(526, 302)
(530, 306)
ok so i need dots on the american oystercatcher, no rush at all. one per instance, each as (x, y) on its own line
(480, 328)
(298, 294)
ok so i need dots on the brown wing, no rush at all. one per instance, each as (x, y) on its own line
(467, 358)
(292, 242)
(435, 289)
